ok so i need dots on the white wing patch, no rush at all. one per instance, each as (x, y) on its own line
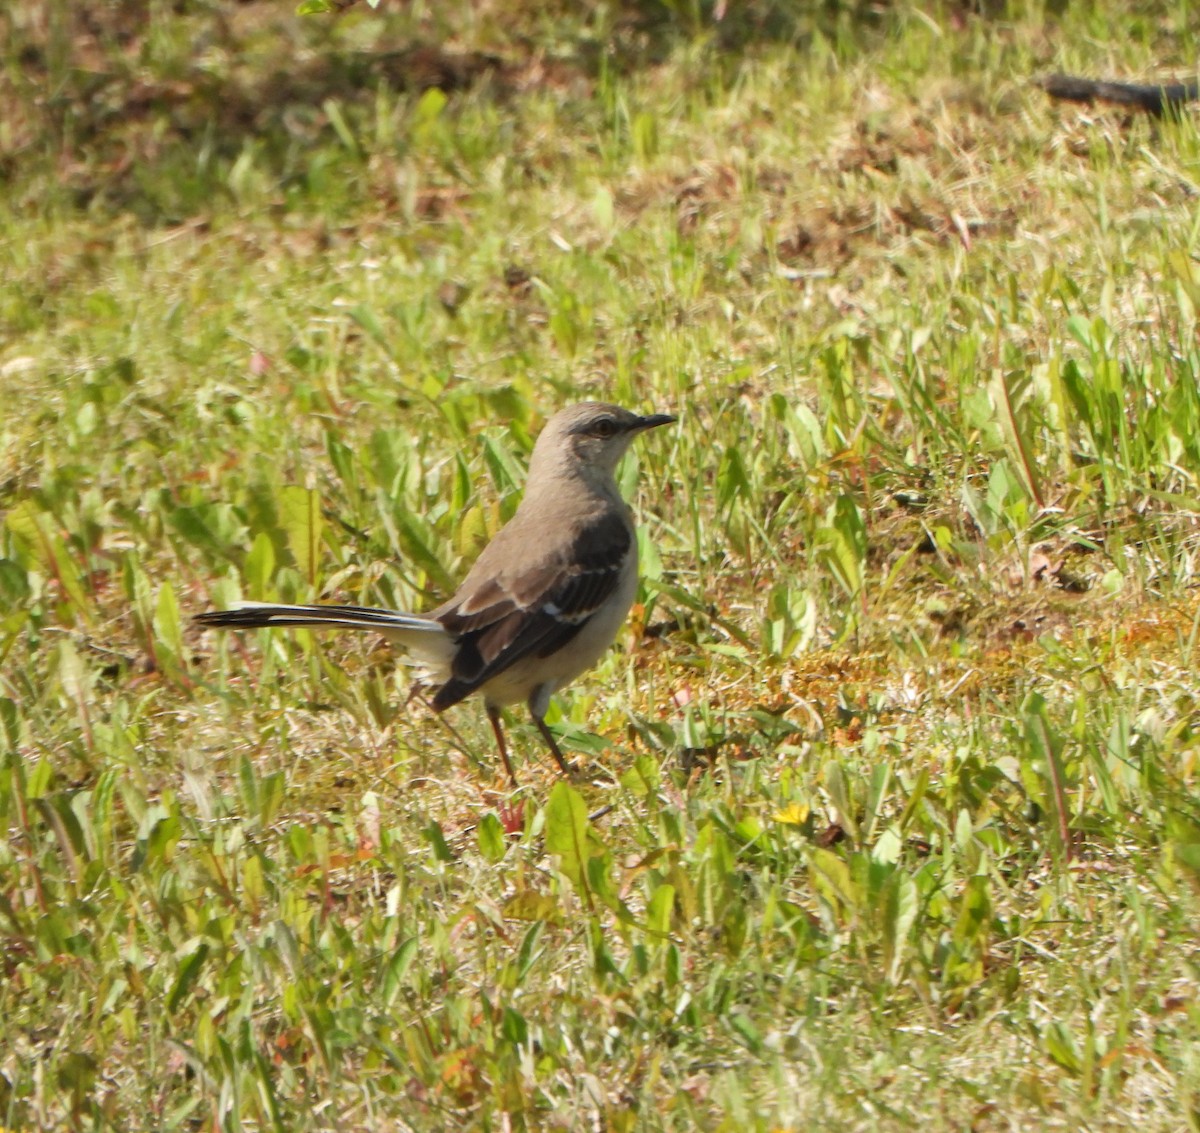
(566, 619)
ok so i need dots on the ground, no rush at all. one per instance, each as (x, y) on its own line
(886, 811)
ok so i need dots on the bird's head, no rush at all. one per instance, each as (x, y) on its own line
(591, 437)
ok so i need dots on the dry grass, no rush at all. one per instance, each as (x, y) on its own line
(900, 747)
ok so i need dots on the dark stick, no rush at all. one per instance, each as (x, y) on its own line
(1166, 98)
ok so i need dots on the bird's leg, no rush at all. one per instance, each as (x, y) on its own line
(551, 742)
(494, 716)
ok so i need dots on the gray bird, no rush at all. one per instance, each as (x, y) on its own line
(545, 598)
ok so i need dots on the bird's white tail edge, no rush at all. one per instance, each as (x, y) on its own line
(423, 637)
(331, 617)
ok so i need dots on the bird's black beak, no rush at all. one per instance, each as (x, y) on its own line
(653, 420)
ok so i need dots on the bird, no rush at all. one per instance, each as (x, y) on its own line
(545, 598)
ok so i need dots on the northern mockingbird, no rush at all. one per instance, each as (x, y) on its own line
(544, 599)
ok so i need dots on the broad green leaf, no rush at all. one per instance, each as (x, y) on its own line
(369, 322)
(75, 1075)
(567, 324)
(566, 834)
(259, 569)
(471, 532)
(1048, 744)
(139, 593)
(848, 519)
(600, 884)
(333, 111)
(158, 832)
(189, 973)
(658, 911)
(900, 901)
(649, 560)
(603, 209)
(881, 778)
(271, 790)
(392, 981)
(58, 815)
(167, 623)
(300, 518)
(604, 964)
(211, 527)
(1005, 400)
(417, 543)
(341, 456)
(1080, 329)
(748, 829)
(28, 526)
(1187, 854)
(34, 531)
(41, 778)
(10, 724)
(75, 677)
(492, 843)
(1061, 1046)
(531, 906)
(288, 946)
(732, 479)
(529, 951)
(390, 450)
(831, 878)
(839, 793)
(838, 554)
(642, 779)
(805, 438)
(437, 841)
(430, 105)
(100, 829)
(513, 1026)
(253, 883)
(506, 473)
(916, 795)
(248, 785)
(742, 1026)
(974, 918)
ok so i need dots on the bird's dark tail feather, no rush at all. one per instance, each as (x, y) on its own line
(422, 637)
(252, 615)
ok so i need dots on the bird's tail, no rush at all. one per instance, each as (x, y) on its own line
(423, 637)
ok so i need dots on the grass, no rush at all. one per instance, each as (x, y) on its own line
(901, 746)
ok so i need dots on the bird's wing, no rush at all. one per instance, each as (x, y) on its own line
(497, 618)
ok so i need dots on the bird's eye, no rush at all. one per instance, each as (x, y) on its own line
(605, 427)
